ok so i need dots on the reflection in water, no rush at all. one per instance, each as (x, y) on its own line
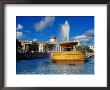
(45, 66)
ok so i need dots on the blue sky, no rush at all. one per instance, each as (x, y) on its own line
(41, 28)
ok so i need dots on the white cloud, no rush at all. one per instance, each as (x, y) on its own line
(86, 37)
(19, 34)
(19, 27)
(81, 38)
(89, 33)
(49, 19)
(34, 39)
(45, 22)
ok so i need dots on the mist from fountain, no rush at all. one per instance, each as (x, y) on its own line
(65, 30)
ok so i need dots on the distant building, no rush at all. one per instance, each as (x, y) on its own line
(41, 47)
(25, 45)
(53, 40)
(91, 47)
(25, 41)
(57, 47)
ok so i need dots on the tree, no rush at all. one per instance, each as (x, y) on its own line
(48, 46)
(87, 49)
(79, 48)
(30, 47)
(84, 48)
(34, 46)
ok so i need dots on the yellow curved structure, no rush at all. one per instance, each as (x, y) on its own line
(68, 57)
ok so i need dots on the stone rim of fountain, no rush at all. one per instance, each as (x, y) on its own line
(68, 44)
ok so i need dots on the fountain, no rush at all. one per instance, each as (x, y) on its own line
(68, 55)
(65, 30)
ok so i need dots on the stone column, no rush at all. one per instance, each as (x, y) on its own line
(42, 48)
(60, 48)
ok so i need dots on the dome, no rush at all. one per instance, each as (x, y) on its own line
(53, 37)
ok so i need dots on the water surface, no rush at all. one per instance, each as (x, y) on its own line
(45, 66)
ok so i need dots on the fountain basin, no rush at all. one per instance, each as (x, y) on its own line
(68, 57)
(68, 44)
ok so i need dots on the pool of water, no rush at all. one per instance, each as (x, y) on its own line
(45, 66)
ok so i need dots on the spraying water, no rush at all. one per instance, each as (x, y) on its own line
(65, 30)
